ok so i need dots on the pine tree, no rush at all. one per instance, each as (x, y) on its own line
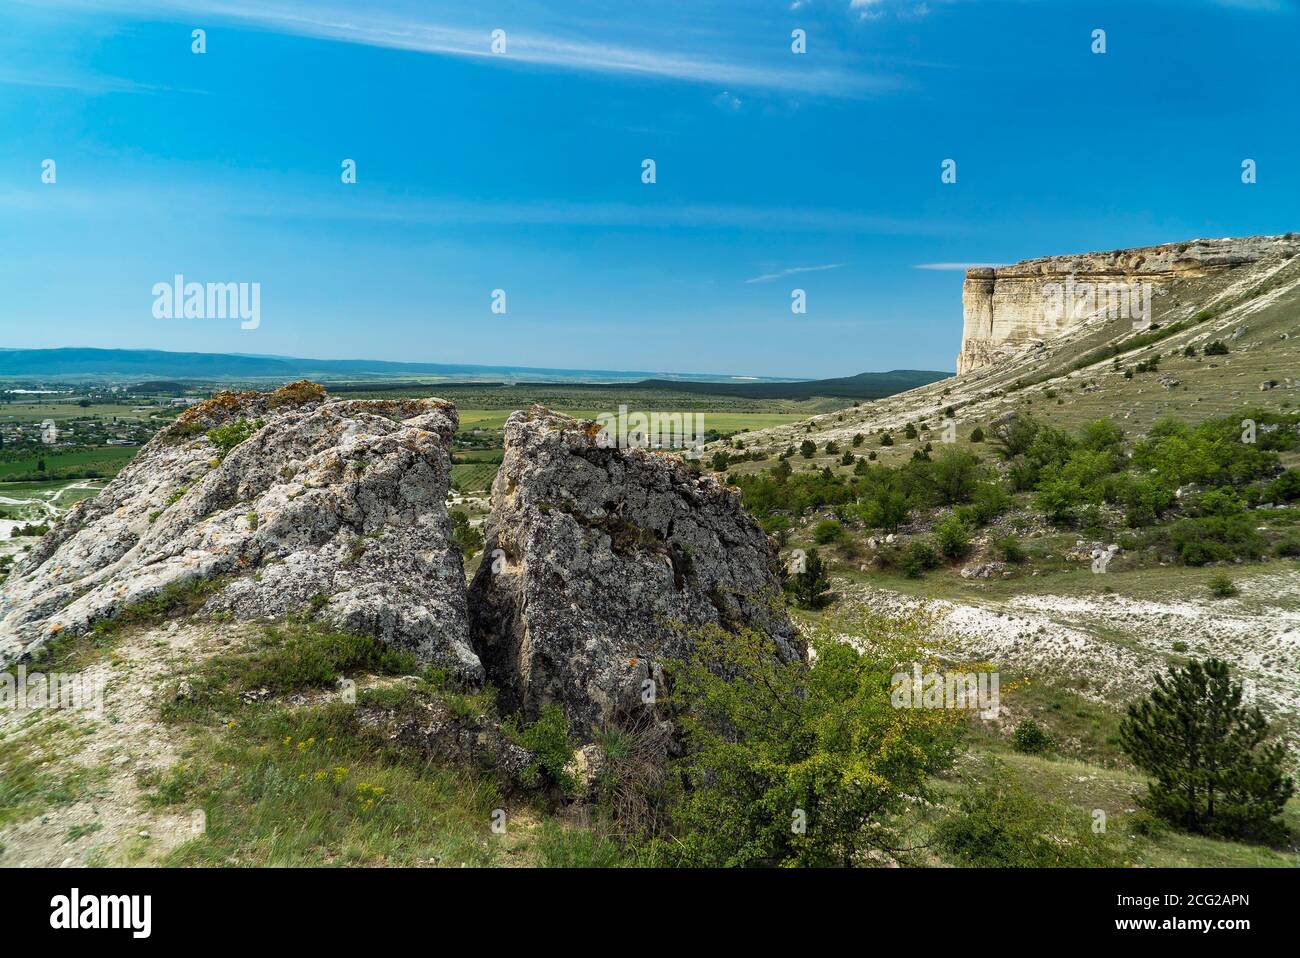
(811, 584)
(1214, 770)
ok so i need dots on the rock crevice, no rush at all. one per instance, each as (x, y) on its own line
(600, 563)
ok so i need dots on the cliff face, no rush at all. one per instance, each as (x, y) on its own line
(1010, 307)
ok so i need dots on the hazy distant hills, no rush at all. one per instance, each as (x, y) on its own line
(140, 364)
(861, 386)
(83, 363)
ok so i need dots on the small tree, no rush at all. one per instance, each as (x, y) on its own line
(887, 509)
(807, 448)
(953, 537)
(465, 538)
(811, 585)
(1214, 770)
(954, 476)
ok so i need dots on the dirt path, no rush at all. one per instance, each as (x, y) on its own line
(103, 759)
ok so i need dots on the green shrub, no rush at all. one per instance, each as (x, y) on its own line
(1030, 738)
(548, 739)
(807, 448)
(952, 477)
(989, 501)
(790, 764)
(227, 437)
(828, 531)
(953, 537)
(1285, 488)
(1057, 499)
(1208, 539)
(918, 558)
(1221, 587)
(1009, 549)
(999, 825)
(887, 509)
(1145, 500)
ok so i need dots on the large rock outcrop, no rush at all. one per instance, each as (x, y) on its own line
(333, 508)
(1009, 307)
(599, 564)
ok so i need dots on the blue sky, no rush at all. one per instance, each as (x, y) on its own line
(522, 171)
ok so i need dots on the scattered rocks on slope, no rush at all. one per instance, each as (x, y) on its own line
(337, 508)
(599, 562)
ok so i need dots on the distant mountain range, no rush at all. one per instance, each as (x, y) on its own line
(81, 364)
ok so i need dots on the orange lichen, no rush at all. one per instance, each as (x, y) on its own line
(296, 394)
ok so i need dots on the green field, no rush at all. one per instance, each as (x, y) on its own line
(35, 412)
(475, 468)
(106, 460)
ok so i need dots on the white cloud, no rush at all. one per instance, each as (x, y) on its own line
(381, 25)
(867, 9)
(766, 277)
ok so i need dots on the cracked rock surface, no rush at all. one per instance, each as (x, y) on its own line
(335, 509)
(600, 563)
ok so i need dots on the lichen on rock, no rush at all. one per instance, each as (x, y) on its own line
(600, 565)
(335, 509)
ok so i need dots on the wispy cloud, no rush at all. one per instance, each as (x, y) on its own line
(402, 29)
(766, 277)
(956, 266)
(282, 201)
(875, 9)
(93, 85)
(1273, 6)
